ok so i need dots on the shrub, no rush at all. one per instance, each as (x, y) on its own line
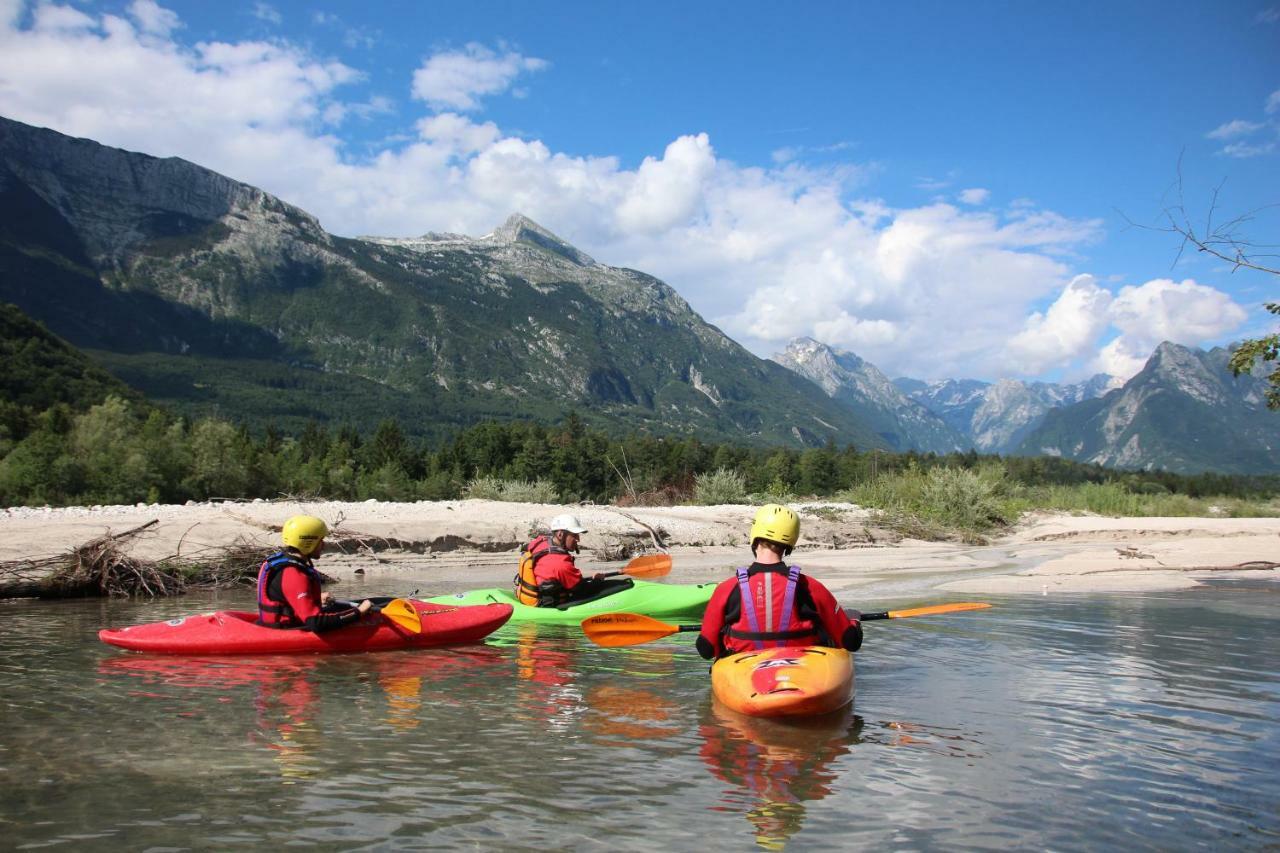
(721, 486)
(522, 491)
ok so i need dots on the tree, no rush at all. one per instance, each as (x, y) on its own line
(1265, 350)
(1226, 240)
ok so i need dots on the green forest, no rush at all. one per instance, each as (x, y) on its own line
(72, 434)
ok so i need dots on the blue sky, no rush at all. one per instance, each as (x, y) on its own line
(943, 188)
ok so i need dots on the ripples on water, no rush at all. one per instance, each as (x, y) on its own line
(1139, 721)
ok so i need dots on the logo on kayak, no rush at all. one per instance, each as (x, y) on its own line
(777, 662)
(176, 622)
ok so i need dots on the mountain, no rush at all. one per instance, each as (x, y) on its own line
(903, 423)
(39, 370)
(996, 417)
(212, 296)
(1183, 412)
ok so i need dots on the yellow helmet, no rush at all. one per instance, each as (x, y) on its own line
(304, 532)
(777, 524)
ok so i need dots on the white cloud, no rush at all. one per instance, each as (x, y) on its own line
(267, 12)
(153, 18)
(1234, 129)
(766, 253)
(974, 196)
(455, 80)
(1273, 102)
(1068, 330)
(1267, 16)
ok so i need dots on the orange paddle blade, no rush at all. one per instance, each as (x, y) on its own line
(938, 608)
(649, 566)
(402, 612)
(625, 629)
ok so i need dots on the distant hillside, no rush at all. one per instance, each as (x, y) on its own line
(38, 370)
(212, 296)
(1183, 412)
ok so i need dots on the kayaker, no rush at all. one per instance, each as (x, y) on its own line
(289, 594)
(770, 604)
(548, 577)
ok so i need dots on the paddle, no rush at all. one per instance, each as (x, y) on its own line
(630, 629)
(647, 566)
(400, 611)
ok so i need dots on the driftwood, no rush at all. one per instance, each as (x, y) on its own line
(103, 567)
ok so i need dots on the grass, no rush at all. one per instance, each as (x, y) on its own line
(971, 505)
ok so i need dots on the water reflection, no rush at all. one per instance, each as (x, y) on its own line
(775, 767)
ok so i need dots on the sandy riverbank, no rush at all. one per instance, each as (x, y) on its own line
(446, 546)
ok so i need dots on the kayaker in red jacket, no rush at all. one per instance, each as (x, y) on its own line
(289, 594)
(548, 575)
(770, 604)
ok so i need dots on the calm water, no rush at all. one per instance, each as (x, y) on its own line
(1084, 723)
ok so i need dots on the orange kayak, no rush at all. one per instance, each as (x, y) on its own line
(786, 682)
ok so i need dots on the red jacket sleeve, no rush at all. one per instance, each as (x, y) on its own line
(713, 619)
(297, 590)
(842, 630)
(557, 567)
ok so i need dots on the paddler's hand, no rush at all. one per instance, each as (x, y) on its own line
(364, 606)
(326, 599)
(597, 577)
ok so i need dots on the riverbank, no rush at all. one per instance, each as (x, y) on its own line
(447, 546)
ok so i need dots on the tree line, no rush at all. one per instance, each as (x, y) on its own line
(123, 451)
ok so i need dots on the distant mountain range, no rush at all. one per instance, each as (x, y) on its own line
(211, 296)
(1183, 412)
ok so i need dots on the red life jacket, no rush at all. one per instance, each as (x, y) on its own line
(772, 613)
(273, 609)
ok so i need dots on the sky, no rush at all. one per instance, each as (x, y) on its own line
(949, 190)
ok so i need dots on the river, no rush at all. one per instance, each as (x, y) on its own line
(1136, 721)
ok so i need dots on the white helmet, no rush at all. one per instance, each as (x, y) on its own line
(566, 522)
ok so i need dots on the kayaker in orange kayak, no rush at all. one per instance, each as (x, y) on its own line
(289, 594)
(770, 604)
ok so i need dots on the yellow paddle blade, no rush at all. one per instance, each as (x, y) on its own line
(625, 629)
(649, 566)
(402, 612)
(939, 608)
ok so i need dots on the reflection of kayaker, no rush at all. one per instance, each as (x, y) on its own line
(775, 768)
(770, 604)
(622, 715)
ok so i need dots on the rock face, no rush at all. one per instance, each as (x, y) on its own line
(902, 422)
(210, 295)
(1183, 412)
(996, 417)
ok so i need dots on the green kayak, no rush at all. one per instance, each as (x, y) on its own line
(659, 600)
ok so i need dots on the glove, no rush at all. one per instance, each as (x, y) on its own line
(598, 576)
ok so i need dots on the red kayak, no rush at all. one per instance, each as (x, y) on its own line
(235, 632)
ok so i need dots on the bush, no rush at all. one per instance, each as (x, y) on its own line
(721, 486)
(514, 491)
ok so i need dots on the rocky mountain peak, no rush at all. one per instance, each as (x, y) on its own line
(521, 229)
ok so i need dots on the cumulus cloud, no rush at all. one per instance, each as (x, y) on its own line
(455, 80)
(1066, 331)
(766, 253)
(1140, 318)
(152, 18)
(974, 196)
